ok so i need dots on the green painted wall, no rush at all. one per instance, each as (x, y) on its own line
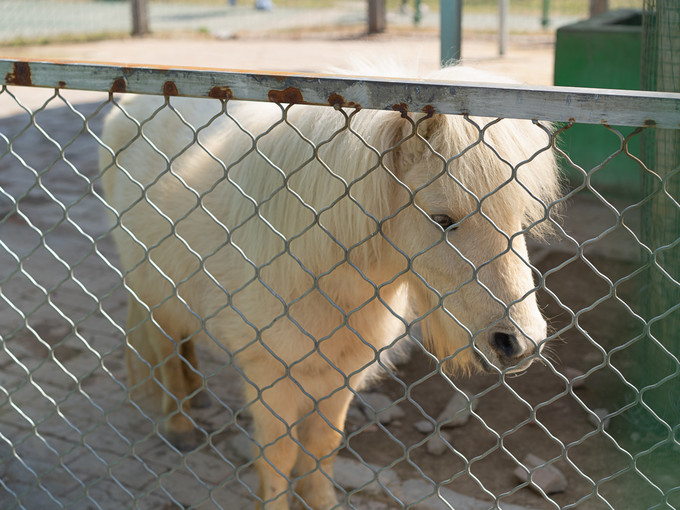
(601, 52)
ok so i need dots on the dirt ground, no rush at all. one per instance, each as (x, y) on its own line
(534, 413)
(538, 412)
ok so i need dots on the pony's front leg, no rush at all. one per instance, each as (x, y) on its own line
(177, 426)
(275, 413)
(320, 435)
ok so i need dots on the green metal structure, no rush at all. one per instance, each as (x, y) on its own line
(601, 52)
(450, 12)
(659, 378)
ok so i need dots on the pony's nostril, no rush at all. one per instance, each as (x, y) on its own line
(505, 345)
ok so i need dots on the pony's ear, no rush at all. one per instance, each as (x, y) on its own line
(413, 139)
(428, 125)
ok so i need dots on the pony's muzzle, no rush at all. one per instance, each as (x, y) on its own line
(508, 352)
(505, 345)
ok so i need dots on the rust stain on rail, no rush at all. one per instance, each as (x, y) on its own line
(290, 95)
(20, 75)
(337, 101)
(118, 85)
(221, 93)
(170, 89)
(401, 108)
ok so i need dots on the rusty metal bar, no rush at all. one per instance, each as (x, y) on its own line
(558, 104)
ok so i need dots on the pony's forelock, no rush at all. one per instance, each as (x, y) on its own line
(503, 168)
(507, 166)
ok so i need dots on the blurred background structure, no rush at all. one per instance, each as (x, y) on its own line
(46, 20)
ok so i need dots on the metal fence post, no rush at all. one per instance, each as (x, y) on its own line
(598, 7)
(140, 17)
(545, 13)
(450, 12)
(503, 30)
(376, 16)
(660, 71)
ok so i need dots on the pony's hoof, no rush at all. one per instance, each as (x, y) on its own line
(201, 400)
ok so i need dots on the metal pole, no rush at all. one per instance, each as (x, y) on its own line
(545, 18)
(598, 7)
(376, 16)
(451, 17)
(660, 71)
(503, 28)
(418, 15)
(140, 17)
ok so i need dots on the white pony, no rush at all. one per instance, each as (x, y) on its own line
(302, 242)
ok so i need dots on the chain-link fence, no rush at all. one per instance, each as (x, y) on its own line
(282, 239)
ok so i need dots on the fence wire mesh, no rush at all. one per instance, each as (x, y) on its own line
(250, 362)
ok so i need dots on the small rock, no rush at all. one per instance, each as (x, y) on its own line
(438, 443)
(424, 426)
(601, 416)
(574, 376)
(548, 478)
(458, 411)
(242, 446)
(379, 407)
(423, 495)
(352, 475)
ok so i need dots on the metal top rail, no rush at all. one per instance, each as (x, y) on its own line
(557, 104)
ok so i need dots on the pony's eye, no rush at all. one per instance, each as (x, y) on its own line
(444, 221)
